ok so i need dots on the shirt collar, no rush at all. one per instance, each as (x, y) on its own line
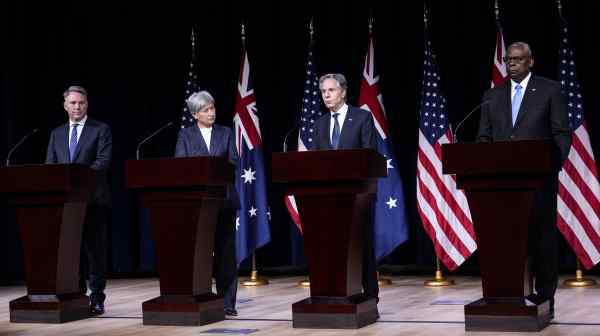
(80, 122)
(342, 111)
(523, 82)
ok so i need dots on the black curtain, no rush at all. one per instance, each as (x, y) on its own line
(132, 56)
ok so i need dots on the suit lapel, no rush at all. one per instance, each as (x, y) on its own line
(507, 103)
(327, 132)
(64, 147)
(214, 135)
(201, 148)
(348, 124)
(83, 138)
(528, 99)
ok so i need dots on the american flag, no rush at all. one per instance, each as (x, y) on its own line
(390, 224)
(443, 208)
(499, 73)
(191, 86)
(310, 112)
(252, 221)
(579, 191)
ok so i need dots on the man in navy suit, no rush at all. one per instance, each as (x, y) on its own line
(348, 127)
(87, 141)
(532, 107)
(209, 139)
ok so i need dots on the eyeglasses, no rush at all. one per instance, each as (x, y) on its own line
(516, 59)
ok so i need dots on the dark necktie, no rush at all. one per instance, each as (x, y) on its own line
(73, 142)
(335, 136)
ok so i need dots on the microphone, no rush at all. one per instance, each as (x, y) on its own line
(19, 144)
(285, 138)
(137, 151)
(467, 117)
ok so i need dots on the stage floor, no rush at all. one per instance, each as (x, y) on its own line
(406, 308)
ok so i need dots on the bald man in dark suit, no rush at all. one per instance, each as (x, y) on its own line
(532, 107)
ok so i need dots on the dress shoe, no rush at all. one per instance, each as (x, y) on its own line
(96, 309)
(230, 312)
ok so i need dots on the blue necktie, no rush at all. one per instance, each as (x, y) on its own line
(516, 103)
(73, 143)
(335, 136)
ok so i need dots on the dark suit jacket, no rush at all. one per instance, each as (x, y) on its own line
(222, 143)
(542, 115)
(94, 149)
(358, 130)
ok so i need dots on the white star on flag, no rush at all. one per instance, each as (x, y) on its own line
(252, 211)
(237, 223)
(248, 175)
(389, 164)
(392, 203)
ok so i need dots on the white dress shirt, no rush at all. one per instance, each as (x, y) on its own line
(523, 84)
(206, 133)
(81, 123)
(341, 117)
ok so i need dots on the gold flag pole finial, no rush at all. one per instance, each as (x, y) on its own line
(311, 28)
(370, 24)
(439, 280)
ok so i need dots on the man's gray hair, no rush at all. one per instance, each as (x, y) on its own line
(523, 46)
(75, 88)
(337, 77)
(199, 100)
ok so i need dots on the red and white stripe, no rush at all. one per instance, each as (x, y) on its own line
(578, 215)
(499, 73)
(443, 208)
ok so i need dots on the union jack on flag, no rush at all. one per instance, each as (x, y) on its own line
(252, 221)
(578, 215)
(390, 224)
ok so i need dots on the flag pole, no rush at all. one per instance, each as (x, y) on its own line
(305, 283)
(255, 280)
(438, 280)
(579, 281)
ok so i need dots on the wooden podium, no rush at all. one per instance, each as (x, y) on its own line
(500, 181)
(50, 202)
(334, 192)
(184, 196)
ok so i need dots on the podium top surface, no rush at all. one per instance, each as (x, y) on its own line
(502, 157)
(179, 172)
(328, 165)
(46, 178)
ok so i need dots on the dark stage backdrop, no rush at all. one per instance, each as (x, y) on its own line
(132, 56)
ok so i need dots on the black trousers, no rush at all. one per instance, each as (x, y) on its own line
(543, 242)
(93, 260)
(225, 265)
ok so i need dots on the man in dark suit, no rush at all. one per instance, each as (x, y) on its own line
(532, 107)
(209, 139)
(87, 141)
(348, 127)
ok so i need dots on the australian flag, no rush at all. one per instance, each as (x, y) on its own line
(252, 221)
(391, 224)
(191, 86)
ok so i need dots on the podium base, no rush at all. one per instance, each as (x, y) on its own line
(351, 312)
(49, 308)
(183, 310)
(506, 315)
